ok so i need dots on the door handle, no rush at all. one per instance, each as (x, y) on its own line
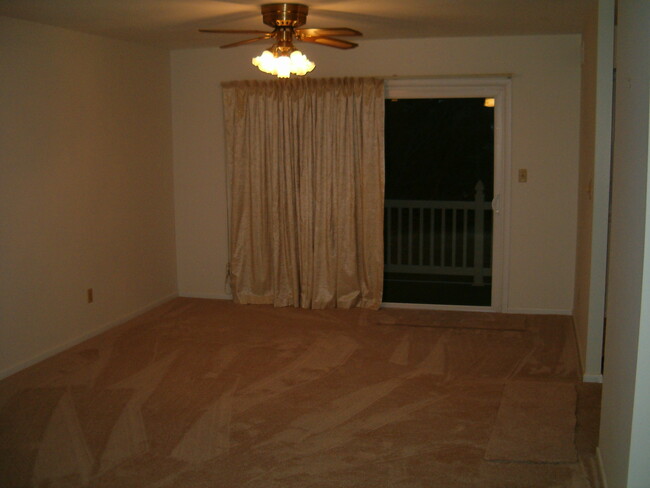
(496, 204)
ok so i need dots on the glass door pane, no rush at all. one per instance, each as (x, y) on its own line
(439, 189)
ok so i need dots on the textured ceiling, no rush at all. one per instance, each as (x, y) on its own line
(174, 23)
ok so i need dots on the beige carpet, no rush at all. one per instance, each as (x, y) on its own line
(536, 423)
(204, 393)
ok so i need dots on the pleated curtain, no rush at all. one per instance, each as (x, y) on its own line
(306, 179)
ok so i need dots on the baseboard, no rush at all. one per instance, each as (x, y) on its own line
(539, 311)
(213, 296)
(601, 468)
(73, 342)
(592, 378)
(581, 359)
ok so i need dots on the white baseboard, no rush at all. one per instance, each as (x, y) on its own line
(539, 311)
(73, 342)
(601, 468)
(213, 296)
(592, 378)
(581, 359)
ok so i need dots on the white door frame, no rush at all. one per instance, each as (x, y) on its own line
(498, 88)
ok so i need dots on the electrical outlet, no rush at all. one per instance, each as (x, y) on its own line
(89, 295)
(523, 175)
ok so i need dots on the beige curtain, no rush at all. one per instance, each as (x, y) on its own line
(306, 171)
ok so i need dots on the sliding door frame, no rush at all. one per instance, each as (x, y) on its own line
(499, 88)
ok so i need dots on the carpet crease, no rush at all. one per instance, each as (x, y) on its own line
(205, 393)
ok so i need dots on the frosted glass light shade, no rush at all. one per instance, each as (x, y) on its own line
(284, 66)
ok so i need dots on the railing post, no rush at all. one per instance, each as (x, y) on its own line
(479, 209)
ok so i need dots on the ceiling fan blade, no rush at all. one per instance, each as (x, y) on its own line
(232, 31)
(248, 41)
(331, 42)
(333, 31)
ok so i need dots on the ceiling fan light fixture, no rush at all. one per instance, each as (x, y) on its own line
(283, 65)
(283, 59)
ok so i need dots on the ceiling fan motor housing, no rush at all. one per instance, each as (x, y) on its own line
(284, 14)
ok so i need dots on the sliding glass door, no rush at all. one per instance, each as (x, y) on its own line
(442, 225)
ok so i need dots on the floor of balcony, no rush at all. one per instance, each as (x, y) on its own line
(438, 290)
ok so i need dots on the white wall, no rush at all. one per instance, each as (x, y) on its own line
(86, 188)
(585, 180)
(545, 140)
(625, 430)
(593, 187)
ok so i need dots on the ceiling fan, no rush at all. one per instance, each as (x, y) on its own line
(286, 19)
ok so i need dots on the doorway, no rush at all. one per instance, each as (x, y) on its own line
(444, 210)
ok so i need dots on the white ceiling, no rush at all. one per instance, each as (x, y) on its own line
(173, 23)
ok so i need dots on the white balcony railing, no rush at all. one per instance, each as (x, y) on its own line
(450, 238)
